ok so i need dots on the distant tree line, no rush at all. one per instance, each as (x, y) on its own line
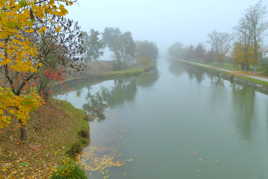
(244, 47)
(126, 51)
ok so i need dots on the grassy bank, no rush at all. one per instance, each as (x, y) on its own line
(55, 132)
(124, 73)
(71, 84)
(227, 66)
(132, 71)
(236, 74)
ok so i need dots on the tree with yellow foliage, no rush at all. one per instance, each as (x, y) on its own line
(244, 55)
(19, 63)
(251, 29)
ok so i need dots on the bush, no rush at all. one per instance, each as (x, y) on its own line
(74, 150)
(84, 134)
(69, 170)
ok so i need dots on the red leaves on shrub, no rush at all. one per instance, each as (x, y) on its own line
(54, 75)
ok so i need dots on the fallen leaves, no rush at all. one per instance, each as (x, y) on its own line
(93, 162)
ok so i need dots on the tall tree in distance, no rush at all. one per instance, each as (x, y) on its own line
(146, 49)
(176, 51)
(93, 45)
(220, 44)
(110, 35)
(242, 56)
(194, 53)
(200, 52)
(122, 45)
(251, 30)
(146, 53)
(128, 47)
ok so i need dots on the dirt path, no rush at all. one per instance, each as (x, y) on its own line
(224, 70)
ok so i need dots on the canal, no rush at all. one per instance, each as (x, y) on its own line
(176, 122)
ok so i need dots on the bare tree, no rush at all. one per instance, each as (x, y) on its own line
(251, 31)
(220, 43)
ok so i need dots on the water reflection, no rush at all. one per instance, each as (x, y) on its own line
(216, 80)
(122, 91)
(176, 69)
(178, 126)
(242, 111)
(192, 72)
(196, 74)
(148, 79)
(97, 98)
(243, 100)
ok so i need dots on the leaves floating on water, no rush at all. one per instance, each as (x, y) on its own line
(93, 162)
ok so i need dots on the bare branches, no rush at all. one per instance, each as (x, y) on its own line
(220, 43)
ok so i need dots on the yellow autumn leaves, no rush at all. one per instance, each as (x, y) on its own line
(16, 106)
(243, 54)
(19, 20)
(18, 54)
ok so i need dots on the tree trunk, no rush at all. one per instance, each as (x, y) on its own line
(244, 67)
(247, 67)
(23, 133)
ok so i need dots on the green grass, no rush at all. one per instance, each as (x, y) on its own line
(69, 170)
(262, 69)
(127, 72)
(209, 67)
(80, 125)
(72, 84)
(227, 66)
(257, 81)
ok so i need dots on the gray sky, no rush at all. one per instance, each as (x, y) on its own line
(162, 21)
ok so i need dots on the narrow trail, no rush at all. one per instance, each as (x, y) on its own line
(228, 71)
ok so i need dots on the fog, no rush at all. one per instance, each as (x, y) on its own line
(162, 21)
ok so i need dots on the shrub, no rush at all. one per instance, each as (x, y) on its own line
(84, 134)
(69, 170)
(75, 149)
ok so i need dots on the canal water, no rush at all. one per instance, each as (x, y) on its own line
(176, 123)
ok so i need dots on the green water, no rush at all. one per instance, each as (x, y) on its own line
(181, 124)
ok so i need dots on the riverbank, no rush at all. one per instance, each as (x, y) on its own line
(71, 84)
(133, 71)
(258, 82)
(55, 132)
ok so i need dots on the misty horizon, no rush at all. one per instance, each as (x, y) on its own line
(163, 22)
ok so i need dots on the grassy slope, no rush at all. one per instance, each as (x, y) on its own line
(52, 131)
(127, 72)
